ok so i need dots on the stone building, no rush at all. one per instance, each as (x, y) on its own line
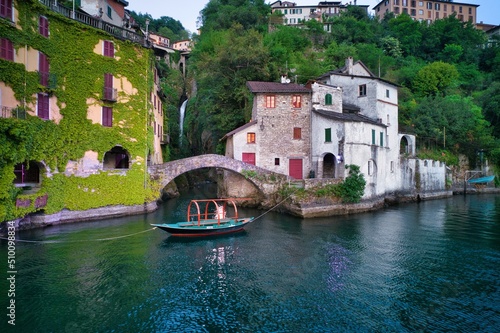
(347, 116)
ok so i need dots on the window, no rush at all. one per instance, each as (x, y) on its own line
(414, 3)
(43, 106)
(392, 166)
(43, 26)
(109, 49)
(110, 12)
(328, 135)
(6, 49)
(460, 9)
(420, 3)
(328, 99)
(362, 90)
(387, 93)
(445, 8)
(43, 69)
(396, 2)
(373, 137)
(250, 137)
(296, 101)
(420, 12)
(297, 133)
(107, 116)
(381, 139)
(109, 92)
(6, 9)
(429, 5)
(405, 2)
(370, 168)
(437, 6)
(413, 12)
(276, 161)
(437, 15)
(270, 101)
(396, 10)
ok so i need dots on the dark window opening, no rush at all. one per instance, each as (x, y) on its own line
(116, 158)
(27, 173)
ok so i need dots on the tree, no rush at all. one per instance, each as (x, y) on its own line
(435, 78)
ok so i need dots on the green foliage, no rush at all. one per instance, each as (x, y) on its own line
(353, 187)
(435, 78)
(80, 74)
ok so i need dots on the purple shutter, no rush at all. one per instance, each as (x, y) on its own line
(43, 106)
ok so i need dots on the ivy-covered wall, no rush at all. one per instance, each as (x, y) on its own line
(80, 73)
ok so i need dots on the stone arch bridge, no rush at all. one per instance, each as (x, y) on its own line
(266, 181)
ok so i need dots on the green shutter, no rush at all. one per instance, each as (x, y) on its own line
(328, 135)
(328, 99)
(373, 137)
(381, 139)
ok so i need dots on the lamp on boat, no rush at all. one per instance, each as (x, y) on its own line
(262, 124)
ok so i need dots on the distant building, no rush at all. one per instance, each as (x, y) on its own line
(428, 11)
(296, 15)
(183, 45)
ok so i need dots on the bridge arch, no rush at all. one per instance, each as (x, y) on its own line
(167, 172)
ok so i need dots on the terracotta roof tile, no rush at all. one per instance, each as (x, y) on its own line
(275, 87)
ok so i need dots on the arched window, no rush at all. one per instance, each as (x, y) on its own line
(116, 158)
(328, 99)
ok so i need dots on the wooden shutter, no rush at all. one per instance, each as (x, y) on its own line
(6, 49)
(43, 26)
(297, 133)
(109, 49)
(107, 116)
(43, 106)
(43, 69)
(328, 135)
(6, 9)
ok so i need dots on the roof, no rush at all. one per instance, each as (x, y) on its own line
(275, 87)
(348, 117)
(241, 128)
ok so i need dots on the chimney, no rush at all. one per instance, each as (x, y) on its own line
(348, 65)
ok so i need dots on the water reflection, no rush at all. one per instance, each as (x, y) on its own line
(426, 267)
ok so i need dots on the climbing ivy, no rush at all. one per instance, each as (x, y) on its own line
(80, 74)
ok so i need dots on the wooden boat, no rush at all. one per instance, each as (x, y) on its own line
(208, 217)
(481, 180)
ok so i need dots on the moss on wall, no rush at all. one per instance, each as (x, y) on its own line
(80, 75)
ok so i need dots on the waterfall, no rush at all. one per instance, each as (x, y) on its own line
(181, 119)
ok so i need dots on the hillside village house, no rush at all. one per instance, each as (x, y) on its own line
(428, 11)
(295, 15)
(347, 116)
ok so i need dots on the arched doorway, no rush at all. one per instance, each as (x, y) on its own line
(329, 166)
(404, 146)
(116, 158)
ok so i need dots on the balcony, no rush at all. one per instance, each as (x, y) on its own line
(9, 112)
(109, 94)
(97, 23)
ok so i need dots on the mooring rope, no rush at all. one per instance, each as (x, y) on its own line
(77, 241)
(279, 203)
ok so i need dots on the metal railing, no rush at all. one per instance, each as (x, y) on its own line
(97, 23)
(10, 112)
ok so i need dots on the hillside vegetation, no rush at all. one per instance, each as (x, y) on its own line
(449, 80)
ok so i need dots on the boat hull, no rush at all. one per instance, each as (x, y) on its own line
(190, 229)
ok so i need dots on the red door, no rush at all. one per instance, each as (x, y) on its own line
(295, 168)
(249, 158)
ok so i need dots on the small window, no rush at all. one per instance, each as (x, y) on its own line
(362, 90)
(107, 116)
(43, 106)
(6, 9)
(250, 137)
(370, 168)
(373, 137)
(276, 161)
(109, 49)
(43, 26)
(381, 139)
(297, 133)
(6, 49)
(109, 92)
(270, 101)
(328, 99)
(110, 12)
(392, 166)
(296, 101)
(328, 135)
(387, 93)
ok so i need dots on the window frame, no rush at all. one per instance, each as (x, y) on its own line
(328, 134)
(270, 101)
(43, 26)
(6, 9)
(296, 101)
(251, 137)
(43, 106)
(43, 69)
(328, 99)
(362, 90)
